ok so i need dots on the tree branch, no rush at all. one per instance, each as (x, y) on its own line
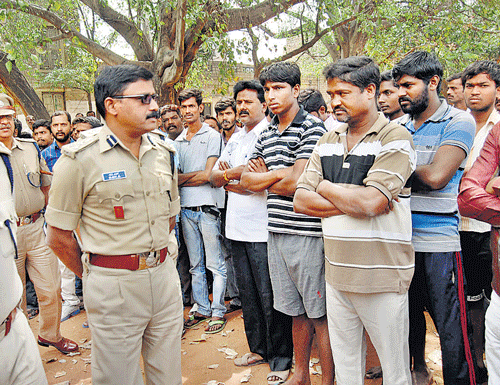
(128, 29)
(255, 15)
(106, 55)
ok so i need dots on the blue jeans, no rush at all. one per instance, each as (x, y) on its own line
(202, 236)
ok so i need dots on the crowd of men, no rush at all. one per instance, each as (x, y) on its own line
(314, 223)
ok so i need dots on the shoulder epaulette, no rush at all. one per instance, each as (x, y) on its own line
(73, 148)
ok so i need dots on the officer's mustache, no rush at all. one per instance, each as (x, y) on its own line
(153, 114)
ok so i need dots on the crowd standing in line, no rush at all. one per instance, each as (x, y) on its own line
(313, 223)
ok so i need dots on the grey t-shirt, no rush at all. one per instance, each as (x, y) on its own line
(193, 155)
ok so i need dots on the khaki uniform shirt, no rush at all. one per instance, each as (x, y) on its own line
(11, 287)
(124, 203)
(26, 165)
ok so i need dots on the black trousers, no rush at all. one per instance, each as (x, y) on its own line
(439, 285)
(268, 331)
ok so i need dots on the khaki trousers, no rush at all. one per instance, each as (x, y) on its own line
(43, 268)
(132, 313)
(20, 361)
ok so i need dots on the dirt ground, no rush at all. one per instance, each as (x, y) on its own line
(204, 357)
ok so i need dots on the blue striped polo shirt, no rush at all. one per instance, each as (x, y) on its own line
(435, 213)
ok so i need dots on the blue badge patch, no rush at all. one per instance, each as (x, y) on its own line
(113, 175)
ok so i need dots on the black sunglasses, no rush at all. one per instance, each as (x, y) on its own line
(145, 99)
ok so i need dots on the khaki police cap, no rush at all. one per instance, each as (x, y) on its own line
(6, 105)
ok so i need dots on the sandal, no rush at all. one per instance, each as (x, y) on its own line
(282, 375)
(220, 323)
(194, 320)
(249, 359)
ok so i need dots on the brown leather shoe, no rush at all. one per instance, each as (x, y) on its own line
(65, 346)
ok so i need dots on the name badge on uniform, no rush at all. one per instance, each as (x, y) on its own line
(114, 175)
(119, 212)
(346, 165)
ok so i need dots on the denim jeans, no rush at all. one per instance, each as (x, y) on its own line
(202, 236)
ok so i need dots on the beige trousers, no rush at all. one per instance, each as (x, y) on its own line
(43, 268)
(20, 361)
(132, 313)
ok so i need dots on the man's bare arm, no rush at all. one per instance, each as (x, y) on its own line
(217, 176)
(438, 173)
(45, 190)
(358, 202)
(65, 246)
(255, 177)
(288, 185)
(312, 204)
(198, 178)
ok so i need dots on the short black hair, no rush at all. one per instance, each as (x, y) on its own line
(79, 120)
(312, 100)
(114, 79)
(360, 71)
(456, 76)
(61, 113)
(282, 72)
(421, 65)
(93, 121)
(18, 126)
(41, 123)
(215, 119)
(249, 85)
(224, 103)
(488, 67)
(191, 93)
(170, 108)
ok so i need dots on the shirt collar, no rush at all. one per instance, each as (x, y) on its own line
(380, 123)
(493, 119)
(204, 128)
(108, 140)
(4, 149)
(297, 120)
(258, 128)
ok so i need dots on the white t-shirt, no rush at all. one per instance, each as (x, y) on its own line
(246, 215)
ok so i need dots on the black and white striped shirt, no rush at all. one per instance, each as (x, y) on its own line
(282, 150)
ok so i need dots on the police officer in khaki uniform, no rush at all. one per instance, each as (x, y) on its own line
(31, 185)
(20, 361)
(120, 185)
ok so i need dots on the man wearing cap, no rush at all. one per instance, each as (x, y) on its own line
(20, 361)
(31, 184)
(119, 184)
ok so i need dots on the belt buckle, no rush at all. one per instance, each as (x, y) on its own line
(147, 260)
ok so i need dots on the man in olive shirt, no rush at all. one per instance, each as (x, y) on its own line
(120, 184)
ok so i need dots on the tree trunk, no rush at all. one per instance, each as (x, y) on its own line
(19, 88)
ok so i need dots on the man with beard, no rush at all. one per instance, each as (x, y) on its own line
(455, 91)
(60, 126)
(481, 81)
(225, 109)
(42, 134)
(61, 129)
(388, 97)
(443, 136)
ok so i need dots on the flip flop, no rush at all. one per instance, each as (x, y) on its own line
(282, 375)
(216, 322)
(249, 359)
(194, 320)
